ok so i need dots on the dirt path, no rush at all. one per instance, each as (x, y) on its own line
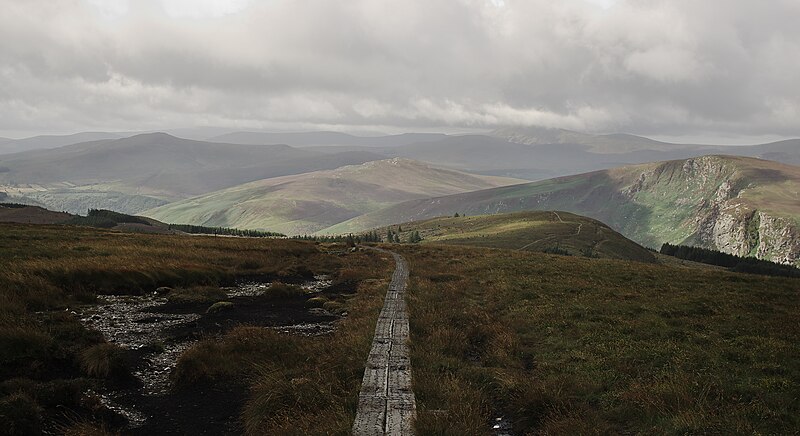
(386, 404)
(578, 232)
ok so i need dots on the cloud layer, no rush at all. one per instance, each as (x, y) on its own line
(664, 67)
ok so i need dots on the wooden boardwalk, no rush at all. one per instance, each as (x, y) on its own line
(386, 404)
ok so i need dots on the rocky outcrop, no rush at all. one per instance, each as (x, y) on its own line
(712, 193)
(779, 239)
(733, 227)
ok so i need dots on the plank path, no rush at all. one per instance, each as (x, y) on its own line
(386, 404)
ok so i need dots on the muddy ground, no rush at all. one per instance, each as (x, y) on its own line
(154, 332)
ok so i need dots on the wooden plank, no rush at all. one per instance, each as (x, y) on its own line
(386, 403)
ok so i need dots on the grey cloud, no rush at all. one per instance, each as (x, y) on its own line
(664, 67)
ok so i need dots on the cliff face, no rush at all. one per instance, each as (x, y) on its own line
(704, 201)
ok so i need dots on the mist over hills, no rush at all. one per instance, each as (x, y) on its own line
(308, 139)
(529, 153)
(306, 203)
(52, 141)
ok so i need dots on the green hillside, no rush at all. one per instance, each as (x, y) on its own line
(310, 202)
(554, 232)
(738, 205)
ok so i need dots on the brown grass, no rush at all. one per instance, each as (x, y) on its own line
(299, 385)
(46, 271)
(103, 360)
(566, 345)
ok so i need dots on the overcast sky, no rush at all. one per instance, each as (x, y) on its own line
(665, 68)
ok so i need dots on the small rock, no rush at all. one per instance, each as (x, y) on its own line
(318, 311)
(163, 290)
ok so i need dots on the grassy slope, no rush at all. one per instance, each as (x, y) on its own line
(569, 345)
(530, 231)
(650, 203)
(309, 202)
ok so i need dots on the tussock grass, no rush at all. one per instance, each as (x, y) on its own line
(46, 271)
(20, 415)
(220, 306)
(86, 428)
(567, 345)
(196, 295)
(103, 361)
(282, 291)
(298, 385)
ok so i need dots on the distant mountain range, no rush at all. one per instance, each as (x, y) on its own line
(144, 171)
(307, 203)
(283, 181)
(8, 146)
(322, 139)
(738, 205)
(531, 157)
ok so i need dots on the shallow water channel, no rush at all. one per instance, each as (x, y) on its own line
(157, 334)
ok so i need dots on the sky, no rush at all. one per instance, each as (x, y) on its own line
(661, 68)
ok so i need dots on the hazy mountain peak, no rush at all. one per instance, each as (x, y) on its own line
(608, 143)
(149, 138)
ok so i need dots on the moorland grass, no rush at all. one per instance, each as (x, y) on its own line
(46, 272)
(563, 345)
(299, 385)
(567, 345)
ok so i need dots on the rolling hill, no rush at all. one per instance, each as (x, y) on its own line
(144, 171)
(738, 205)
(306, 203)
(555, 232)
(23, 214)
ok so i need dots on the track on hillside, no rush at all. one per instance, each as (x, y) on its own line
(386, 404)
